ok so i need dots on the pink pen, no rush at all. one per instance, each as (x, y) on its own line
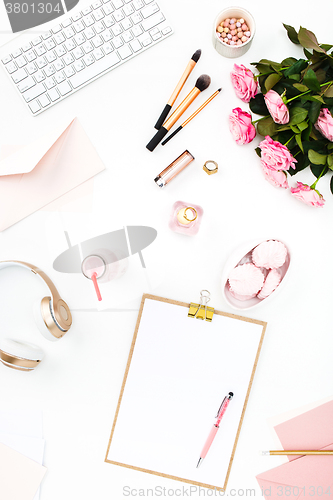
(215, 428)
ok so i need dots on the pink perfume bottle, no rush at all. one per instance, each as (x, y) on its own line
(185, 218)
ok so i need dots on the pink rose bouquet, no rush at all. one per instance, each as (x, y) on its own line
(244, 82)
(276, 107)
(325, 124)
(276, 156)
(241, 127)
(277, 178)
(308, 195)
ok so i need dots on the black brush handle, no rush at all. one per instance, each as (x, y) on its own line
(157, 139)
(171, 136)
(162, 117)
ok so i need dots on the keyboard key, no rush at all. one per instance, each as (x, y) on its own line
(89, 33)
(79, 26)
(126, 24)
(128, 9)
(124, 52)
(98, 15)
(54, 95)
(146, 42)
(34, 106)
(39, 76)
(60, 77)
(98, 54)
(37, 40)
(97, 41)
(87, 47)
(117, 42)
(56, 28)
(79, 65)
(26, 47)
(76, 17)
(108, 9)
(34, 92)
(166, 30)
(89, 20)
(21, 61)
(60, 51)
(19, 75)
(50, 83)
(86, 11)
(107, 47)
(108, 21)
(107, 36)
(116, 30)
(157, 36)
(136, 18)
(31, 55)
(118, 15)
(50, 56)
(49, 44)
(117, 4)
(66, 22)
(138, 4)
(49, 70)
(127, 37)
(11, 67)
(70, 45)
(137, 30)
(32, 68)
(88, 59)
(17, 53)
(44, 100)
(59, 38)
(64, 88)
(47, 35)
(97, 4)
(26, 84)
(152, 21)
(95, 69)
(6, 59)
(80, 38)
(40, 50)
(59, 65)
(69, 71)
(99, 27)
(69, 32)
(78, 52)
(135, 46)
(68, 59)
(150, 10)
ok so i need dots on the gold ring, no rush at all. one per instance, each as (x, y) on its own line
(208, 170)
(194, 212)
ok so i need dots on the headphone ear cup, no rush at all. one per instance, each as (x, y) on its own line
(20, 355)
(40, 323)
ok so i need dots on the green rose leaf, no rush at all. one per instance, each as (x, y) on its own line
(314, 111)
(292, 33)
(297, 67)
(271, 80)
(301, 87)
(308, 40)
(302, 126)
(329, 91)
(258, 105)
(330, 162)
(317, 158)
(267, 127)
(321, 75)
(294, 129)
(299, 142)
(289, 61)
(297, 115)
(317, 170)
(310, 80)
(313, 98)
(331, 184)
(326, 47)
(258, 151)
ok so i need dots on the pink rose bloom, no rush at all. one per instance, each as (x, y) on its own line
(277, 178)
(241, 127)
(275, 156)
(276, 107)
(325, 124)
(310, 196)
(244, 83)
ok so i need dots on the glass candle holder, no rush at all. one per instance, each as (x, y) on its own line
(185, 218)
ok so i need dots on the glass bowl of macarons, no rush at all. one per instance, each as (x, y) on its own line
(255, 273)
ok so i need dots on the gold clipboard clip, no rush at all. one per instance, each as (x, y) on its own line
(201, 311)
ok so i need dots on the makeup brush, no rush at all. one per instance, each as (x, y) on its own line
(191, 117)
(194, 59)
(201, 84)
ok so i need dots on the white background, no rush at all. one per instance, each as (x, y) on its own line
(78, 384)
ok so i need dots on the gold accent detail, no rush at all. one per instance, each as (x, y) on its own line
(57, 302)
(200, 312)
(199, 109)
(193, 210)
(210, 171)
(10, 359)
(182, 217)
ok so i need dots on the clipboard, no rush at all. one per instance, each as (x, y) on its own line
(178, 371)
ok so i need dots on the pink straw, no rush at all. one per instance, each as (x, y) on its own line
(94, 279)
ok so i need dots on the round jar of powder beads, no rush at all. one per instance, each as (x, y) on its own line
(233, 32)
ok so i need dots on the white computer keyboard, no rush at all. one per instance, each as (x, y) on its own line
(82, 48)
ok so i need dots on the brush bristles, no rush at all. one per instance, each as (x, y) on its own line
(196, 56)
(203, 82)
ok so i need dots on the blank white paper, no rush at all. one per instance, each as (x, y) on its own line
(181, 370)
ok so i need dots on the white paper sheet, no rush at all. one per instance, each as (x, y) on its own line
(180, 371)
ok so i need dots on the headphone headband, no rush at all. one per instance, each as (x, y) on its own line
(60, 310)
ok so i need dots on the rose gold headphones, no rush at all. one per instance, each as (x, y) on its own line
(53, 319)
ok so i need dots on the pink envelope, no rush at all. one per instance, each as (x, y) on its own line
(43, 171)
(306, 476)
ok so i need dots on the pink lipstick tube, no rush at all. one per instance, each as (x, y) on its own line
(174, 169)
